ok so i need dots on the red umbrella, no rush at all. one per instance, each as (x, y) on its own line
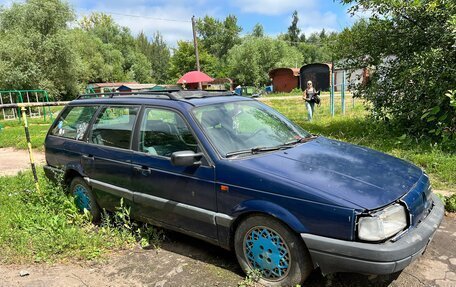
(194, 77)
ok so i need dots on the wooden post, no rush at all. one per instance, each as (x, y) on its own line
(332, 95)
(342, 92)
(195, 44)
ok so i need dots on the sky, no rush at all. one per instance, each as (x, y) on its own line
(172, 17)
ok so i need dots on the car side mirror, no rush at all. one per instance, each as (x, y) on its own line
(186, 158)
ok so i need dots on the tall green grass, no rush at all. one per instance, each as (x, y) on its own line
(46, 226)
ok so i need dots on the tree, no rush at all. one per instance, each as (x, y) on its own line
(318, 47)
(258, 30)
(218, 37)
(117, 40)
(293, 34)
(410, 47)
(158, 54)
(250, 62)
(35, 47)
(184, 60)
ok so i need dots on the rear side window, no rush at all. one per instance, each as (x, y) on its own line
(114, 127)
(74, 122)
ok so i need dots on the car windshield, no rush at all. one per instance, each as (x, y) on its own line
(247, 127)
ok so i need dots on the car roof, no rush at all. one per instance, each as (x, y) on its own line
(165, 98)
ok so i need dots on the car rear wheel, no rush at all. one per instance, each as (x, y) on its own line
(84, 198)
(267, 246)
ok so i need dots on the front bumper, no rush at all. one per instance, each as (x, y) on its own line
(334, 255)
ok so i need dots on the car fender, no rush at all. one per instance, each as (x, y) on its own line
(73, 167)
(269, 208)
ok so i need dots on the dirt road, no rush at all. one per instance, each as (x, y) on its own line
(14, 160)
(184, 261)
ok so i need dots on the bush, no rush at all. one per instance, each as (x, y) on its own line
(409, 47)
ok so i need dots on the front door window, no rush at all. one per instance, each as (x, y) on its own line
(164, 132)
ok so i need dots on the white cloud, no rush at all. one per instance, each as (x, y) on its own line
(314, 21)
(273, 7)
(152, 18)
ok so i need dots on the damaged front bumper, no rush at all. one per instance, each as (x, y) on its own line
(334, 255)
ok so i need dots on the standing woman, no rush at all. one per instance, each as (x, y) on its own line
(307, 96)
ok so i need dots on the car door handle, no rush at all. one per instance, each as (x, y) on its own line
(144, 170)
(88, 156)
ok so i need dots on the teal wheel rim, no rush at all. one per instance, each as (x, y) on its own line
(267, 252)
(81, 199)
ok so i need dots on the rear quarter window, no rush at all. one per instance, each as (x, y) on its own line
(74, 121)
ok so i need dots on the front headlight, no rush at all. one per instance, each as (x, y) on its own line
(383, 224)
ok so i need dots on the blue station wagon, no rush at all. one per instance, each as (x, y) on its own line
(236, 173)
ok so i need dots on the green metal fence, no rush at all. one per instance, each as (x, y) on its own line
(24, 96)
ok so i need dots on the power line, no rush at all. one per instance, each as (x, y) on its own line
(141, 16)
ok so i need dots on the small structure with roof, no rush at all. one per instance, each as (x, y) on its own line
(106, 87)
(220, 84)
(284, 79)
(136, 87)
(353, 77)
(318, 73)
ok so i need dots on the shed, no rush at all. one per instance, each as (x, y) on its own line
(106, 87)
(135, 87)
(353, 77)
(284, 79)
(318, 73)
(220, 84)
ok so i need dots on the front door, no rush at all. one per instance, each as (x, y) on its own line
(183, 197)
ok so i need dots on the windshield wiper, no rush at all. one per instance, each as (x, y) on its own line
(286, 145)
(301, 140)
(254, 150)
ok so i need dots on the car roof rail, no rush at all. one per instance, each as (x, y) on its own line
(164, 94)
(116, 94)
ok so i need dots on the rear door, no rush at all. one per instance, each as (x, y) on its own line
(107, 156)
(183, 197)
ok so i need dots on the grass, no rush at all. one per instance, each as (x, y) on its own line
(12, 131)
(46, 226)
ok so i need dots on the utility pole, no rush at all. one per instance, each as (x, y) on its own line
(195, 43)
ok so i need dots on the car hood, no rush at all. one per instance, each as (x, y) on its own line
(346, 172)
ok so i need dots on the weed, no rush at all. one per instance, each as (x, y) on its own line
(251, 279)
(120, 222)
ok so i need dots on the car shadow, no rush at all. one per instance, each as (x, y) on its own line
(217, 256)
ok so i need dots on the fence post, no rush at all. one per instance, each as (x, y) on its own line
(332, 95)
(342, 92)
(49, 108)
(29, 145)
(19, 99)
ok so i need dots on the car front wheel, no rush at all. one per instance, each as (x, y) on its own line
(265, 245)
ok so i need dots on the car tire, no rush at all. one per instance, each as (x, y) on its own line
(266, 244)
(84, 198)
